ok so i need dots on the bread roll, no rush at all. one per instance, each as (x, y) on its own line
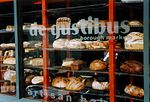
(59, 82)
(100, 85)
(134, 90)
(98, 65)
(131, 66)
(37, 80)
(9, 61)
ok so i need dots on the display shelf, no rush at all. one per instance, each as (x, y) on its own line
(85, 91)
(128, 74)
(129, 50)
(66, 49)
(85, 70)
(3, 65)
(60, 69)
(125, 96)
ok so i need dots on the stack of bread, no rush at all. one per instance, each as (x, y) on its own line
(78, 44)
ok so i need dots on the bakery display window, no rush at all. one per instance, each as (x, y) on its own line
(76, 50)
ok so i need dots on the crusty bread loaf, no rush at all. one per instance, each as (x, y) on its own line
(100, 85)
(75, 84)
(131, 66)
(59, 82)
(98, 65)
(134, 90)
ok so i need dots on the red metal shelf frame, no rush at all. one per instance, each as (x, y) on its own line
(112, 63)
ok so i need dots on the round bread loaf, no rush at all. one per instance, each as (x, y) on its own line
(75, 84)
(98, 65)
(131, 66)
(59, 82)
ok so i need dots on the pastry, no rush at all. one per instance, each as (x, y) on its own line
(10, 28)
(10, 75)
(131, 66)
(134, 40)
(78, 64)
(63, 22)
(75, 84)
(135, 23)
(134, 90)
(68, 62)
(75, 44)
(100, 85)
(9, 61)
(60, 43)
(28, 79)
(37, 80)
(59, 82)
(37, 62)
(98, 65)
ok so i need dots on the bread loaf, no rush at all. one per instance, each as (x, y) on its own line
(75, 84)
(131, 66)
(59, 82)
(98, 65)
(134, 90)
(100, 85)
